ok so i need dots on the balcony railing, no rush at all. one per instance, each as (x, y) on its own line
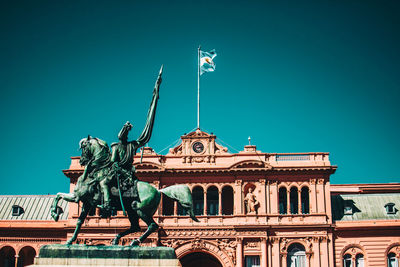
(293, 157)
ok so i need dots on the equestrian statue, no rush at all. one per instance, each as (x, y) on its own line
(109, 181)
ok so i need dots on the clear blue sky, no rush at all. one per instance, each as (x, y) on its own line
(296, 76)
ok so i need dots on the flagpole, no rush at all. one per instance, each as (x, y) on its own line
(198, 88)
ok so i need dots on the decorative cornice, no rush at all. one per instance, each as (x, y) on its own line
(32, 240)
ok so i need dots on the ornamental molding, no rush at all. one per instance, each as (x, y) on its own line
(150, 166)
(251, 164)
(286, 242)
(198, 244)
(393, 248)
(223, 249)
(229, 246)
(173, 243)
(238, 182)
(252, 244)
(190, 233)
(353, 250)
(31, 240)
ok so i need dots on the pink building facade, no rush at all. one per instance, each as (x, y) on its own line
(255, 209)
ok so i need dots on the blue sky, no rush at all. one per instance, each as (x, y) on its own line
(309, 76)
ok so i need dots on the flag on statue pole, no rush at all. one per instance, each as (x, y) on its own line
(206, 61)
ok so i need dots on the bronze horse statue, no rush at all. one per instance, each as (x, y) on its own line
(97, 152)
(102, 177)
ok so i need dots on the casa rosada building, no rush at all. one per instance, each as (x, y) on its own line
(255, 209)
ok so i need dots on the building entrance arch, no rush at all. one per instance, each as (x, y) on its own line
(199, 259)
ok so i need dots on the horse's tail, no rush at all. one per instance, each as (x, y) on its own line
(182, 194)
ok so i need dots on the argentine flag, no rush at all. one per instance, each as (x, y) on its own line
(206, 61)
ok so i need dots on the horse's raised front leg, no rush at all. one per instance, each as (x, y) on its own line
(68, 197)
(81, 219)
(152, 226)
(134, 220)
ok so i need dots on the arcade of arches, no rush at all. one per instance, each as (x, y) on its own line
(9, 257)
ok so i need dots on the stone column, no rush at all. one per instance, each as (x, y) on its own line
(276, 257)
(160, 207)
(264, 254)
(317, 258)
(288, 201)
(205, 203)
(313, 196)
(330, 249)
(273, 197)
(269, 252)
(16, 260)
(320, 196)
(239, 252)
(324, 252)
(238, 197)
(263, 199)
(267, 199)
(175, 208)
(157, 186)
(328, 202)
(284, 260)
(219, 202)
(308, 255)
(299, 201)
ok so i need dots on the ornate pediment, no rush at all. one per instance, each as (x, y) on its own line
(148, 166)
(251, 164)
(197, 133)
(198, 147)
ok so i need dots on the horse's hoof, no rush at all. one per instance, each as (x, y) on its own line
(135, 243)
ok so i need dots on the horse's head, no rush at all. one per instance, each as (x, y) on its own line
(87, 150)
(93, 149)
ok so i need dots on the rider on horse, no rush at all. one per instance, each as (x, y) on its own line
(122, 159)
(124, 151)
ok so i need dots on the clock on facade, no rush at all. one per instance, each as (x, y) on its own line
(198, 147)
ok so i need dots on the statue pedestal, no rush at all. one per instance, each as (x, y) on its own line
(83, 255)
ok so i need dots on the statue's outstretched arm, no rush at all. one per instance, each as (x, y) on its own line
(148, 128)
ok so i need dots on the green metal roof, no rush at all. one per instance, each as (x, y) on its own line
(365, 207)
(34, 207)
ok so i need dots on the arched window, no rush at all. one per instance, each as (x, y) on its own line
(181, 211)
(212, 201)
(282, 200)
(347, 262)
(227, 200)
(26, 256)
(168, 206)
(198, 200)
(359, 260)
(305, 200)
(296, 256)
(294, 201)
(353, 257)
(392, 260)
(7, 257)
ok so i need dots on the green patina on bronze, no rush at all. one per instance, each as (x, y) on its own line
(104, 252)
(109, 181)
